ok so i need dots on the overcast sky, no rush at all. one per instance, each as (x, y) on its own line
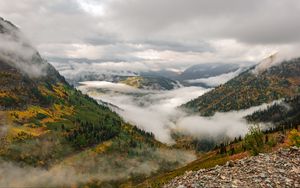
(158, 33)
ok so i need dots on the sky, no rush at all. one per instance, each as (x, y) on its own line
(156, 34)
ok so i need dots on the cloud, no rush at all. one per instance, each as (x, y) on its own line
(154, 111)
(177, 32)
(13, 175)
(275, 60)
(18, 53)
(253, 22)
(86, 167)
(217, 80)
(220, 127)
(157, 112)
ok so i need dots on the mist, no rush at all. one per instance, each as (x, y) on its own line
(275, 59)
(153, 111)
(18, 52)
(217, 80)
(221, 126)
(158, 112)
(86, 167)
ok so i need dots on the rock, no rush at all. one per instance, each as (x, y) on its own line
(278, 169)
(229, 164)
(296, 170)
(262, 175)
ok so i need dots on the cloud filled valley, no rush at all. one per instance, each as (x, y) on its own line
(135, 93)
(158, 112)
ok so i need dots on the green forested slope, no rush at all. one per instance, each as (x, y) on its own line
(249, 89)
(44, 119)
(285, 113)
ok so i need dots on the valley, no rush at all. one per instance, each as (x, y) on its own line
(149, 94)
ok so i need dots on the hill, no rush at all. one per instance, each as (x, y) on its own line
(46, 124)
(150, 83)
(250, 89)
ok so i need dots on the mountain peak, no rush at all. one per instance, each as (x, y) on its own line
(17, 53)
(6, 25)
(267, 62)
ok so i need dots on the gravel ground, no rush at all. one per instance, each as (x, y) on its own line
(278, 169)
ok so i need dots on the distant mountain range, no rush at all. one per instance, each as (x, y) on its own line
(197, 75)
(207, 70)
(204, 75)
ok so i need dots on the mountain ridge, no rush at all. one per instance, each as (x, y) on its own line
(248, 89)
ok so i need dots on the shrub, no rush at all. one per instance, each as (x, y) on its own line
(41, 116)
(7, 101)
(294, 138)
(254, 140)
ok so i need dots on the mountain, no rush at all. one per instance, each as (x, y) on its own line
(204, 75)
(207, 70)
(75, 74)
(174, 75)
(38, 104)
(251, 88)
(48, 125)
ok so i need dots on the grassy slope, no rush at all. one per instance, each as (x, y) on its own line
(248, 90)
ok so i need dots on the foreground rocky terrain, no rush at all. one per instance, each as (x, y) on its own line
(277, 169)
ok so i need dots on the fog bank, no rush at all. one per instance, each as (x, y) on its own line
(157, 112)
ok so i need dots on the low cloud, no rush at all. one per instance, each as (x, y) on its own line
(84, 168)
(13, 175)
(276, 59)
(220, 127)
(153, 111)
(157, 112)
(217, 80)
(18, 53)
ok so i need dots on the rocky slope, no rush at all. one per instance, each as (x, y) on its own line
(278, 169)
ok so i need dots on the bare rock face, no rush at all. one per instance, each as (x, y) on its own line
(278, 169)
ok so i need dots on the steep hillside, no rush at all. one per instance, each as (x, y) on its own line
(39, 106)
(250, 89)
(46, 123)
